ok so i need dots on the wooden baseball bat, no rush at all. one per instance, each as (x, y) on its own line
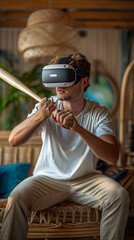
(15, 82)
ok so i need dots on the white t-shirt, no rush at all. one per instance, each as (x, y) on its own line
(64, 155)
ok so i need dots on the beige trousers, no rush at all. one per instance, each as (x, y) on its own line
(40, 192)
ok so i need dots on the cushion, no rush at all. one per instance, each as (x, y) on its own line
(11, 175)
(116, 173)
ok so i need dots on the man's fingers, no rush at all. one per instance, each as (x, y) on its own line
(46, 107)
(64, 118)
(61, 115)
(44, 100)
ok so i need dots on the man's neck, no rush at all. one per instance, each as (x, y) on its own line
(75, 107)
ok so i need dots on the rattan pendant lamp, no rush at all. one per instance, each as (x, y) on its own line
(49, 32)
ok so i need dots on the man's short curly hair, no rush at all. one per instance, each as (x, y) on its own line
(78, 60)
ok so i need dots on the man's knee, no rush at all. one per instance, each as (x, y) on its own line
(19, 204)
(117, 195)
(9, 203)
(19, 197)
(120, 195)
(13, 200)
(124, 196)
(22, 193)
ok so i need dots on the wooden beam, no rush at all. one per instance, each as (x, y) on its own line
(7, 15)
(82, 15)
(93, 4)
(102, 15)
(60, 4)
(22, 4)
(79, 24)
(12, 24)
(105, 24)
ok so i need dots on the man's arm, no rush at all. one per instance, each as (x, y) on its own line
(104, 147)
(24, 131)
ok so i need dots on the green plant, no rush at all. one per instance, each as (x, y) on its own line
(16, 103)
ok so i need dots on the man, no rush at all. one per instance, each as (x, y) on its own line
(66, 168)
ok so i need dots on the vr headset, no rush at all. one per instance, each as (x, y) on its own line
(62, 74)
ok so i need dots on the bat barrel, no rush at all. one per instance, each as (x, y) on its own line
(15, 82)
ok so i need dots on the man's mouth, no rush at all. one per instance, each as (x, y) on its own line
(60, 90)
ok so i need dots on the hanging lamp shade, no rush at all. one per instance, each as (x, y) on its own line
(49, 32)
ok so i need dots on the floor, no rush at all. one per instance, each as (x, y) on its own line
(128, 236)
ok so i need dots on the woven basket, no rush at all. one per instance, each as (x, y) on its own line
(48, 33)
(50, 16)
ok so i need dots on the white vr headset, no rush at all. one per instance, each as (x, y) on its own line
(62, 74)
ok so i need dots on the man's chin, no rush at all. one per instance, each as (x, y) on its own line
(61, 98)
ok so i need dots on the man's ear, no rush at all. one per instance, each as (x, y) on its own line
(85, 81)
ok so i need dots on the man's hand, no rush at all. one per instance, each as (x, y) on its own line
(63, 117)
(46, 108)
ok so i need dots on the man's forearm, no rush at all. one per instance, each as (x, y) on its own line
(105, 147)
(24, 131)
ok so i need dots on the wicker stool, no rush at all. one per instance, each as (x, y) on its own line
(65, 220)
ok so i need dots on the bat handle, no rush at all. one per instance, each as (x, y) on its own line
(69, 123)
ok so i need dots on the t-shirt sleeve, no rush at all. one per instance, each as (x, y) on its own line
(35, 109)
(104, 123)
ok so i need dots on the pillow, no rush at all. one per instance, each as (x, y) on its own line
(116, 173)
(11, 175)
